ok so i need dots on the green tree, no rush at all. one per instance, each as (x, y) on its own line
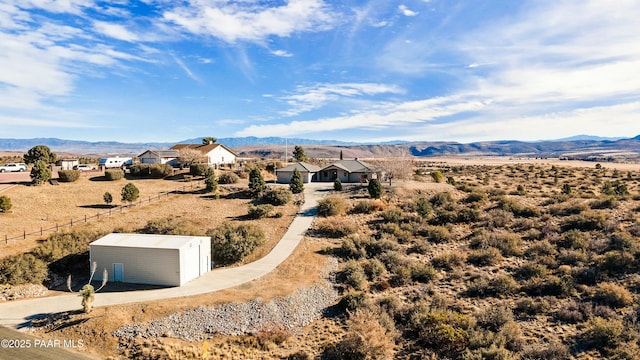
(108, 198)
(437, 176)
(298, 154)
(209, 140)
(40, 172)
(5, 204)
(375, 188)
(211, 182)
(337, 185)
(130, 193)
(566, 189)
(256, 182)
(296, 185)
(39, 152)
(341, 155)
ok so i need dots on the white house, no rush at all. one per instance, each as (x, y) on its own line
(159, 157)
(166, 260)
(307, 171)
(216, 154)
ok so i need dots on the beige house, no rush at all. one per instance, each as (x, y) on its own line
(166, 260)
(215, 154)
(349, 171)
(308, 172)
(159, 157)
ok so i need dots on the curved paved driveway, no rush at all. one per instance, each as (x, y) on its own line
(18, 314)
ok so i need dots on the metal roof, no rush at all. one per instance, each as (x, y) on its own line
(146, 240)
(352, 166)
(301, 166)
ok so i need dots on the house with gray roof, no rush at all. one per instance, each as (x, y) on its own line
(308, 172)
(159, 157)
(349, 171)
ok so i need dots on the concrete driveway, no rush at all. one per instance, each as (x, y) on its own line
(18, 314)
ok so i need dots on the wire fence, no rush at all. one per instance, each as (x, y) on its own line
(101, 214)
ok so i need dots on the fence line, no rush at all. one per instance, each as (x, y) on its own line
(107, 213)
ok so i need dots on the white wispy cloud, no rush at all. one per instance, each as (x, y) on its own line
(404, 10)
(115, 31)
(251, 21)
(307, 98)
(281, 53)
(553, 70)
(186, 69)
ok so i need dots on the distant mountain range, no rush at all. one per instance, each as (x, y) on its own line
(578, 147)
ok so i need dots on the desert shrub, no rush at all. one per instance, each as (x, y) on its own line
(509, 244)
(449, 260)
(572, 208)
(484, 257)
(549, 285)
(540, 248)
(586, 221)
(574, 239)
(366, 338)
(352, 300)
(499, 285)
(5, 204)
(572, 257)
(394, 260)
(336, 228)
(353, 276)
(623, 241)
(513, 206)
(605, 334)
(337, 185)
(532, 306)
(113, 174)
(260, 211)
(22, 269)
(228, 178)
(437, 234)
(231, 243)
(154, 171)
(604, 202)
(198, 169)
(130, 193)
(167, 226)
(556, 351)
(498, 218)
(61, 244)
(613, 295)
(278, 196)
(299, 355)
(442, 199)
(68, 175)
(331, 206)
(392, 215)
(494, 317)
(421, 272)
(616, 262)
(475, 197)
(423, 207)
(530, 270)
(374, 269)
(493, 352)
(365, 207)
(445, 332)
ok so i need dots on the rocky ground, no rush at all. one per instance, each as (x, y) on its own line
(289, 313)
(21, 291)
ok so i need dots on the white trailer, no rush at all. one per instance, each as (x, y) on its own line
(115, 162)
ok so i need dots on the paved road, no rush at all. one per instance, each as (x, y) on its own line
(18, 314)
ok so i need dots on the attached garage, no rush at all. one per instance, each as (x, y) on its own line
(167, 260)
(307, 171)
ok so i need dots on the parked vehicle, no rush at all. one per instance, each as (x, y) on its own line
(83, 167)
(13, 167)
(115, 162)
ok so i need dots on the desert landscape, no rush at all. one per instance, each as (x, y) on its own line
(457, 257)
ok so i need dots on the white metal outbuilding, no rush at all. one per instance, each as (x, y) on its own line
(169, 260)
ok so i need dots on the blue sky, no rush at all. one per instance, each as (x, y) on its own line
(379, 70)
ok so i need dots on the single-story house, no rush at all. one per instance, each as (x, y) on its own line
(308, 172)
(166, 260)
(67, 164)
(159, 157)
(349, 171)
(216, 154)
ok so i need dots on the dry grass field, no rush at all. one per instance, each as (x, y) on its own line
(504, 259)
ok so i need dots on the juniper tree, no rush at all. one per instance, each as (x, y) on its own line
(296, 185)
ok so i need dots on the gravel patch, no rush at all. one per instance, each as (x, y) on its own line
(21, 292)
(291, 313)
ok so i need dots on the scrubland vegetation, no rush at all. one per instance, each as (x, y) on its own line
(511, 262)
(495, 262)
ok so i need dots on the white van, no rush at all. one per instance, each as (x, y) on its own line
(115, 162)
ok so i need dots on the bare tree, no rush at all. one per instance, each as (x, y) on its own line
(188, 156)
